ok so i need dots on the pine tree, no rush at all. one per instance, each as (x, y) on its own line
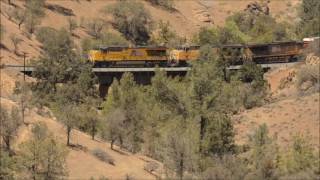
(42, 157)
(10, 123)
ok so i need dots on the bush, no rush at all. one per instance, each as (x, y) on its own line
(43, 33)
(132, 20)
(308, 76)
(94, 27)
(103, 156)
(107, 39)
(167, 4)
(151, 166)
(72, 24)
(15, 41)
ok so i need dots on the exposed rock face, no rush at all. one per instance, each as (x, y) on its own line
(312, 59)
(202, 13)
(258, 8)
(203, 16)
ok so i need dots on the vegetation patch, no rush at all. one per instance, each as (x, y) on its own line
(103, 156)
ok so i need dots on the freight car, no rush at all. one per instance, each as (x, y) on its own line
(276, 52)
(235, 54)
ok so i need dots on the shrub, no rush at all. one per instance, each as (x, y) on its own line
(19, 16)
(15, 41)
(107, 39)
(72, 24)
(309, 74)
(43, 33)
(103, 156)
(94, 27)
(151, 166)
(167, 4)
(132, 20)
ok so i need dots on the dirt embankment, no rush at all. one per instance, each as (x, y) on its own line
(289, 111)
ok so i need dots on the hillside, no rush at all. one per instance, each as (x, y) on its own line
(80, 162)
(286, 114)
(190, 14)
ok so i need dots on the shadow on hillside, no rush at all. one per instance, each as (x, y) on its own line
(120, 152)
(2, 46)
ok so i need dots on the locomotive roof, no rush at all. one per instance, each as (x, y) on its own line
(115, 48)
(274, 43)
(104, 48)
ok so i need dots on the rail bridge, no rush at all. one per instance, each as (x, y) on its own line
(142, 75)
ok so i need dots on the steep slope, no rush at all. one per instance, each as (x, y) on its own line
(80, 162)
(284, 119)
(189, 16)
(290, 111)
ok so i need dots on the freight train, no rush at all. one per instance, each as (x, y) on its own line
(235, 54)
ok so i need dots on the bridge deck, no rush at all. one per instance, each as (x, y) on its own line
(149, 69)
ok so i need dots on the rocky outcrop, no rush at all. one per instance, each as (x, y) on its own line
(258, 8)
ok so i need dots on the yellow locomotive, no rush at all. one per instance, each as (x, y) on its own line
(118, 56)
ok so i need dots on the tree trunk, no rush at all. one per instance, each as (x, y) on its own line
(121, 142)
(20, 25)
(8, 143)
(68, 135)
(202, 129)
(33, 172)
(181, 166)
(93, 131)
(112, 142)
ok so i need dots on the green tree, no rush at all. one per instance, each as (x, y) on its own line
(218, 138)
(42, 157)
(300, 157)
(8, 166)
(166, 37)
(43, 34)
(68, 114)
(114, 129)
(264, 155)
(106, 39)
(132, 20)
(180, 148)
(20, 16)
(24, 97)
(259, 28)
(216, 36)
(309, 14)
(91, 117)
(126, 96)
(256, 87)
(34, 13)
(10, 123)
(95, 27)
(207, 36)
(229, 166)
(215, 128)
(58, 63)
